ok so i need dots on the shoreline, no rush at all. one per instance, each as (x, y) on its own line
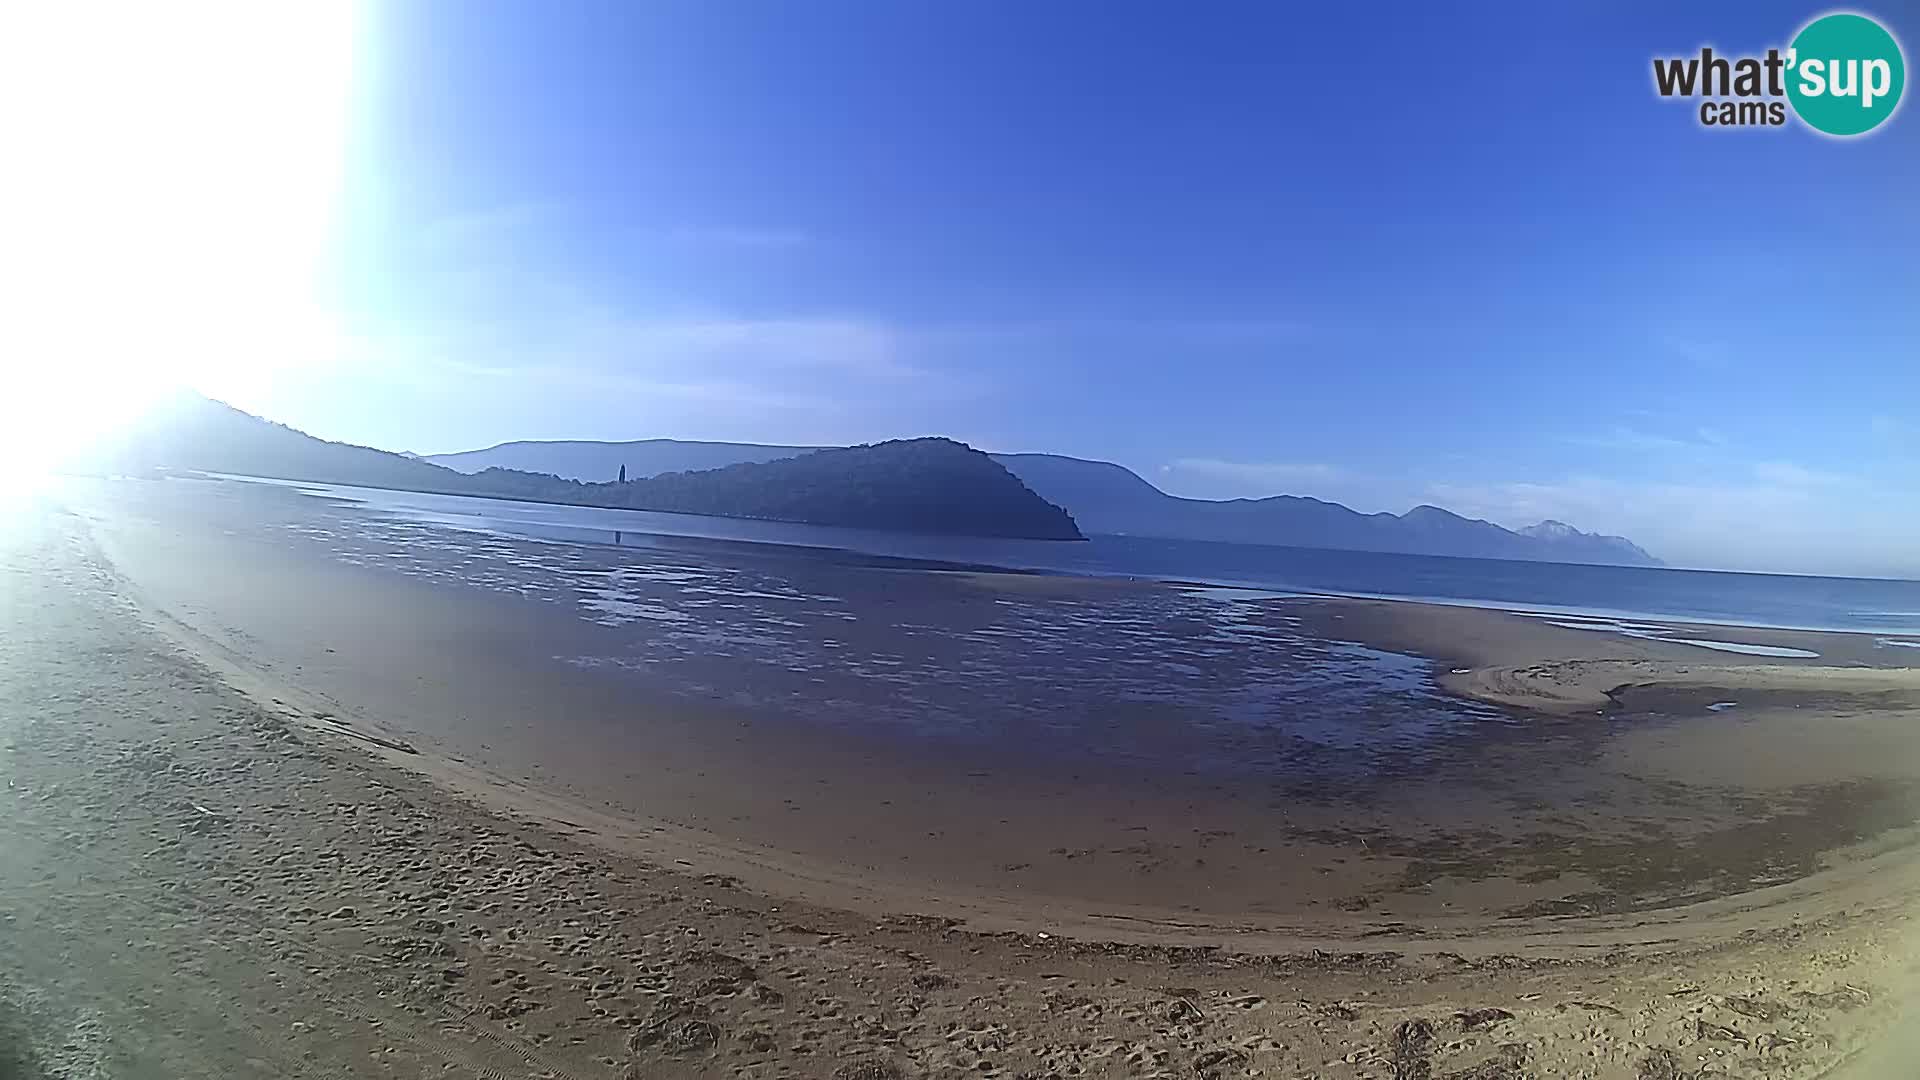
(525, 501)
(1127, 841)
(1879, 877)
(365, 913)
(992, 569)
(1543, 611)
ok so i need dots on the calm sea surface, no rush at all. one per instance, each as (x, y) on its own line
(1858, 605)
(814, 626)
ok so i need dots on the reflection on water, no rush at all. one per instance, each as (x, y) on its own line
(1749, 650)
(1560, 590)
(1655, 632)
(1191, 680)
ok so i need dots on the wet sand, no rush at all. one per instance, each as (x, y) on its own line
(1563, 797)
(199, 880)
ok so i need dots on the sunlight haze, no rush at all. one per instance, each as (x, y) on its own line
(173, 188)
(919, 539)
(816, 230)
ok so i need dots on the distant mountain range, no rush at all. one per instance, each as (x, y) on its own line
(1107, 498)
(591, 462)
(908, 485)
(191, 432)
(914, 485)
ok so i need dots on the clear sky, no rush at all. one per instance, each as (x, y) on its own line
(1385, 254)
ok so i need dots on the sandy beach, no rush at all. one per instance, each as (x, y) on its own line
(296, 817)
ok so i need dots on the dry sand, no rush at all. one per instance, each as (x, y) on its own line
(1508, 818)
(199, 880)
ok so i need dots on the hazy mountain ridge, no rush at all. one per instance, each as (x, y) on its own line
(920, 485)
(593, 462)
(196, 433)
(1107, 498)
(929, 485)
(1104, 497)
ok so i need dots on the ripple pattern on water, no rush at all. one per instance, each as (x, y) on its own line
(1654, 632)
(1192, 680)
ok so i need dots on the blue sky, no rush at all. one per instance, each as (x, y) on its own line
(1385, 255)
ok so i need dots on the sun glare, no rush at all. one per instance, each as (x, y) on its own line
(173, 176)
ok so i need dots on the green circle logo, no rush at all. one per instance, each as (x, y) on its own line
(1845, 74)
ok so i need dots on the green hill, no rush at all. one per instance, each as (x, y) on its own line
(919, 485)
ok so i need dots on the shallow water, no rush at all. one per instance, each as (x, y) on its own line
(1187, 749)
(1654, 632)
(1784, 601)
(1746, 649)
(1190, 680)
